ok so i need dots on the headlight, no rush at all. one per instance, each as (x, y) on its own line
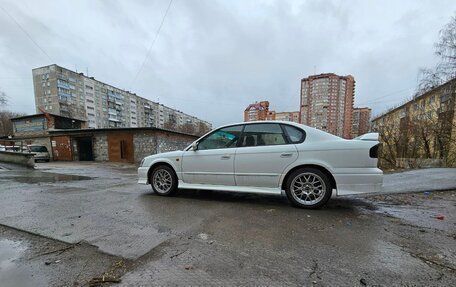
(142, 162)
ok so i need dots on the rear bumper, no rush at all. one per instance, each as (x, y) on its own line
(142, 175)
(368, 180)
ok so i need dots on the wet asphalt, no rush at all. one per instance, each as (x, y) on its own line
(108, 225)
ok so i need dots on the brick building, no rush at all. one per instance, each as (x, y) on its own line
(361, 121)
(257, 112)
(287, 116)
(327, 103)
(260, 112)
(67, 93)
(67, 139)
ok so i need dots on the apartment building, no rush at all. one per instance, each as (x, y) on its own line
(260, 112)
(327, 103)
(361, 121)
(287, 116)
(257, 112)
(68, 93)
(420, 132)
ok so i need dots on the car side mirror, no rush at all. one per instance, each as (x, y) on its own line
(194, 146)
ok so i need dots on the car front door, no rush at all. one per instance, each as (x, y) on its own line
(213, 160)
(262, 156)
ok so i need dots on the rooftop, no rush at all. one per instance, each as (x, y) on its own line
(42, 115)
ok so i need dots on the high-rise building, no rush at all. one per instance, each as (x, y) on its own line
(327, 103)
(67, 93)
(361, 121)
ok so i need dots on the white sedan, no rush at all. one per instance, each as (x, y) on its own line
(269, 157)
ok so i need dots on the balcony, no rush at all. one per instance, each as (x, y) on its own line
(113, 119)
(63, 94)
(62, 84)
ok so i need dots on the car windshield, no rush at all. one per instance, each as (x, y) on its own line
(38, 149)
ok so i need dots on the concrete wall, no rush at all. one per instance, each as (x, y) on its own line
(148, 143)
(100, 147)
(25, 159)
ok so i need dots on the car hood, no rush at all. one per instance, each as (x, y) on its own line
(177, 153)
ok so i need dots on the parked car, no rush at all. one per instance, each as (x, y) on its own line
(269, 157)
(2, 148)
(40, 152)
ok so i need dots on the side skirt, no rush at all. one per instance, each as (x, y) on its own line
(245, 189)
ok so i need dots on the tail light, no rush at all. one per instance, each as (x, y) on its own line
(373, 152)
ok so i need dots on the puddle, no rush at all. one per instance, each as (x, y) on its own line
(10, 275)
(43, 177)
(419, 216)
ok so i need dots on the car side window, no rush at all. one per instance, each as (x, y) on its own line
(295, 135)
(263, 134)
(222, 138)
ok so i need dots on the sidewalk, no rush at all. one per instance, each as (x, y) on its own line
(429, 179)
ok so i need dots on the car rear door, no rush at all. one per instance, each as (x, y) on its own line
(263, 154)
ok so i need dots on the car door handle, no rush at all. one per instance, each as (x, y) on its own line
(286, 155)
(225, 157)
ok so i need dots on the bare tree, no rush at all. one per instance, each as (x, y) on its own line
(202, 128)
(188, 128)
(170, 125)
(6, 126)
(446, 48)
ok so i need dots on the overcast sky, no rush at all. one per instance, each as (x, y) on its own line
(213, 58)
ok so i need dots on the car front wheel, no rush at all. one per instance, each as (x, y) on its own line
(308, 188)
(163, 180)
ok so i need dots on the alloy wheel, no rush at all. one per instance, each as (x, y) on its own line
(308, 188)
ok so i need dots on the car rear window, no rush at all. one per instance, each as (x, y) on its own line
(295, 135)
(263, 134)
(38, 149)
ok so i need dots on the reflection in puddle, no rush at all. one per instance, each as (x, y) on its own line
(10, 275)
(44, 177)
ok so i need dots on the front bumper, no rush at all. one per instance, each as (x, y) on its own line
(365, 181)
(143, 175)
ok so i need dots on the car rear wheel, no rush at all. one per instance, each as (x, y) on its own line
(163, 180)
(308, 188)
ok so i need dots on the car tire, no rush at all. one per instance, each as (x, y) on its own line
(163, 180)
(308, 188)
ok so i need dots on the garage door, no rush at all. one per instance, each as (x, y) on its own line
(61, 148)
(120, 147)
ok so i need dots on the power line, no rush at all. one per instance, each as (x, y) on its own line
(379, 99)
(25, 32)
(152, 44)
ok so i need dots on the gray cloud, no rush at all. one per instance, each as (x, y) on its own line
(213, 58)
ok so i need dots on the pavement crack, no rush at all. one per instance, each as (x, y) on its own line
(177, 254)
(58, 251)
(314, 269)
(431, 261)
